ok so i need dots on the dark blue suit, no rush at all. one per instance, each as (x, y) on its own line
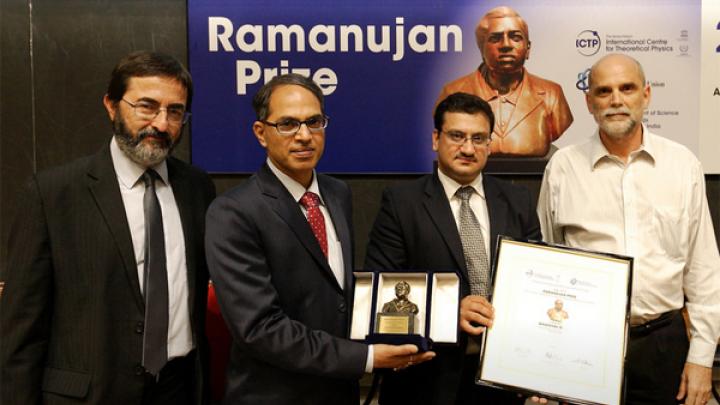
(285, 309)
(415, 230)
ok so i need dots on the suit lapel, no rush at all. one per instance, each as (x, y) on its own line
(183, 195)
(341, 229)
(103, 185)
(497, 212)
(289, 210)
(438, 208)
(528, 101)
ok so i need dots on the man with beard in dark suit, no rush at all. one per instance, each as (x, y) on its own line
(106, 282)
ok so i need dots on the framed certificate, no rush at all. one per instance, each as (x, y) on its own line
(561, 323)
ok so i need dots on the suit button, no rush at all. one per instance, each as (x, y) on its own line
(139, 327)
(139, 370)
(342, 308)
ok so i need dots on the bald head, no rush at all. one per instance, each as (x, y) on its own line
(617, 97)
(614, 61)
(481, 31)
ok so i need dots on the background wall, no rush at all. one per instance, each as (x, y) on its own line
(55, 63)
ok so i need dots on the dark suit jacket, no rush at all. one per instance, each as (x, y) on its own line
(286, 312)
(415, 230)
(71, 316)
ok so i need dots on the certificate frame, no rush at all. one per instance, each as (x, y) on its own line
(561, 322)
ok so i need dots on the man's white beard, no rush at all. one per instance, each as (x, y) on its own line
(616, 129)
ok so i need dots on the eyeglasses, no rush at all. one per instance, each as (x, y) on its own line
(148, 111)
(290, 127)
(459, 138)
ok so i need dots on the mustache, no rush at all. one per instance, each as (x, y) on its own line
(150, 131)
(613, 111)
(461, 155)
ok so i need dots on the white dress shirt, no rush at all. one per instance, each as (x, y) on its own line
(478, 205)
(335, 256)
(653, 208)
(132, 190)
(297, 190)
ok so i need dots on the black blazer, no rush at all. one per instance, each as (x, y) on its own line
(415, 230)
(285, 310)
(71, 316)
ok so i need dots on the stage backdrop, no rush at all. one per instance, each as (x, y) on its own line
(382, 64)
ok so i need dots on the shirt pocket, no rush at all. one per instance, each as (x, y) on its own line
(671, 229)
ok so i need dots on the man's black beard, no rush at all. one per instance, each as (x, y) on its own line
(144, 154)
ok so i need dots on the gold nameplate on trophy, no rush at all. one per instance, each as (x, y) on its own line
(395, 323)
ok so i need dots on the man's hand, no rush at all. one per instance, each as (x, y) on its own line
(398, 357)
(695, 384)
(475, 313)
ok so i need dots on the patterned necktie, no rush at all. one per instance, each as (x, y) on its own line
(156, 285)
(311, 202)
(473, 245)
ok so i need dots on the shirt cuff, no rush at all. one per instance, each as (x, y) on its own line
(701, 353)
(369, 360)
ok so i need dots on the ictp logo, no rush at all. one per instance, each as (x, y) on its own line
(588, 42)
(582, 80)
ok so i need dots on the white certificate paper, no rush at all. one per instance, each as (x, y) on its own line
(560, 323)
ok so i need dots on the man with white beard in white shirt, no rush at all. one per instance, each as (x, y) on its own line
(631, 192)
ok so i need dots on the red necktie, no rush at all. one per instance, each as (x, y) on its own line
(311, 202)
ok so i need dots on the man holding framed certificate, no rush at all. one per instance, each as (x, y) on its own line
(630, 192)
(450, 220)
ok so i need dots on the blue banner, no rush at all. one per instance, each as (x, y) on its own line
(383, 64)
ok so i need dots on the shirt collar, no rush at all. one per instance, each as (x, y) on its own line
(511, 98)
(514, 95)
(451, 186)
(295, 189)
(598, 151)
(129, 172)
